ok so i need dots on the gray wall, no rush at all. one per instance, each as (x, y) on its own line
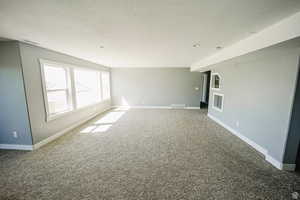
(155, 86)
(41, 129)
(13, 109)
(258, 93)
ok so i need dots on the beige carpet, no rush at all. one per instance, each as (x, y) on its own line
(144, 154)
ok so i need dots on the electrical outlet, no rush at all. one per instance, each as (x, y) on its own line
(237, 123)
(15, 134)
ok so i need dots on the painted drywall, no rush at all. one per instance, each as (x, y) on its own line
(13, 114)
(41, 129)
(292, 143)
(156, 86)
(258, 93)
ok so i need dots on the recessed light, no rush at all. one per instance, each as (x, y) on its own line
(196, 45)
(219, 47)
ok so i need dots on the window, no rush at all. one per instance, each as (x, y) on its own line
(87, 87)
(216, 79)
(105, 85)
(68, 87)
(218, 101)
(58, 93)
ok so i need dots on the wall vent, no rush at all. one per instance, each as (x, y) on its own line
(178, 106)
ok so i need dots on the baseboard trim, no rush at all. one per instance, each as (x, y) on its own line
(144, 107)
(16, 147)
(192, 108)
(62, 132)
(279, 165)
(152, 107)
(157, 107)
(51, 138)
(242, 137)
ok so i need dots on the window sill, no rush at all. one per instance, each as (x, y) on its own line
(50, 118)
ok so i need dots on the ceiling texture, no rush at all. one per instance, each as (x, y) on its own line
(139, 33)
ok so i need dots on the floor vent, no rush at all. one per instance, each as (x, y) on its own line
(178, 106)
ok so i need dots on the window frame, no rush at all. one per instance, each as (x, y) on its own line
(213, 83)
(102, 96)
(213, 102)
(74, 85)
(52, 116)
(71, 87)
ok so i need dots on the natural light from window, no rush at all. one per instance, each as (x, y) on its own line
(88, 129)
(110, 117)
(57, 90)
(102, 128)
(105, 85)
(87, 87)
(105, 122)
(67, 87)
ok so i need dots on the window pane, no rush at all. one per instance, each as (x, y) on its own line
(57, 101)
(55, 77)
(105, 85)
(217, 82)
(87, 84)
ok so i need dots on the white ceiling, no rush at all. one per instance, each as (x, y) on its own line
(139, 33)
(284, 30)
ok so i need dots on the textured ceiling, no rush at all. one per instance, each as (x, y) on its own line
(139, 33)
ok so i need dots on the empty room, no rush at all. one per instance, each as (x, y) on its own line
(149, 99)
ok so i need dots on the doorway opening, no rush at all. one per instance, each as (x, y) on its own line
(204, 101)
(292, 149)
(298, 161)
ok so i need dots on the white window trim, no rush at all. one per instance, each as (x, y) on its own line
(49, 116)
(213, 102)
(71, 83)
(102, 87)
(212, 83)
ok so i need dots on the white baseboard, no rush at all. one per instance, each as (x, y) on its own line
(144, 107)
(152, 107)
(242, 137)
(49, 139)
(60, 133)
(192, 108)
(156, 107)
(262, 150)
(16, 147)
